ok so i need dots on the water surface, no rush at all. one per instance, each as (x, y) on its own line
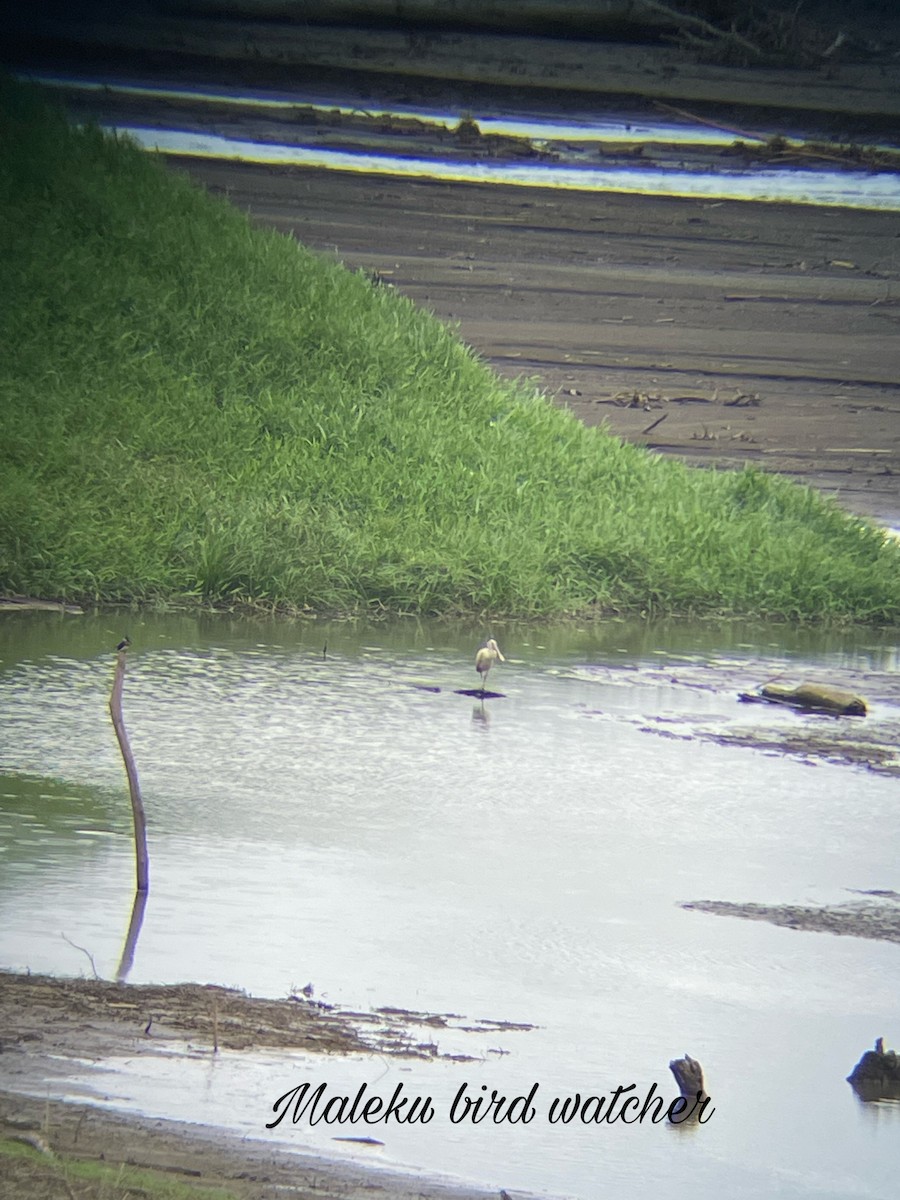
(325, 808)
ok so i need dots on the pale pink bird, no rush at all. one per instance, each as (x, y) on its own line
(485, 658)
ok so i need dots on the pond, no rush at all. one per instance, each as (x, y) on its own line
(326, 808)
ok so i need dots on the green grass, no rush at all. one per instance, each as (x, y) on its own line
(194, 408)
(31, 1175)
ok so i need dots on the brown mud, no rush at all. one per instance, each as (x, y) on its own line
(877, 918)
(194, 1156)
(842, 63)
(212, 1018)
(725, 333)
(48, 1023)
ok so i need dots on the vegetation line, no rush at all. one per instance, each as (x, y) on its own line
(195, 409)
(34, 1171)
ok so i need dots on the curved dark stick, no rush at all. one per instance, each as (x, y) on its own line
(137, 804)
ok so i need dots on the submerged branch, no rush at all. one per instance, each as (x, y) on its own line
(137, 804)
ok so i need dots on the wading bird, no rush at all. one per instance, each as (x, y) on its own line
(485, 658)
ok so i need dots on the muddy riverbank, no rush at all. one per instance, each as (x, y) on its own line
(827, 62)
(49, 1025)
(723, 332)
(97, 1014)
(52, 1027)
(193, 1156)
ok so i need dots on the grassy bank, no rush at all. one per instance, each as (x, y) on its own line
(195, 408)
(31, 1174)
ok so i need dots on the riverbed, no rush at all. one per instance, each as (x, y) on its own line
(329, 812)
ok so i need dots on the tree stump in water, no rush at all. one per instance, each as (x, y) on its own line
(877, 1074)
(689, 1077)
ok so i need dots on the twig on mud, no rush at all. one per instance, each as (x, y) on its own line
(743, 400)
(83, 951)
(689, 116)
(653, 425)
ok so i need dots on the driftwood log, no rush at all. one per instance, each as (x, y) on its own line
(813, 697)
(877, 1074)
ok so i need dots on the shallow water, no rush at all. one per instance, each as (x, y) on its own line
(342, 816)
